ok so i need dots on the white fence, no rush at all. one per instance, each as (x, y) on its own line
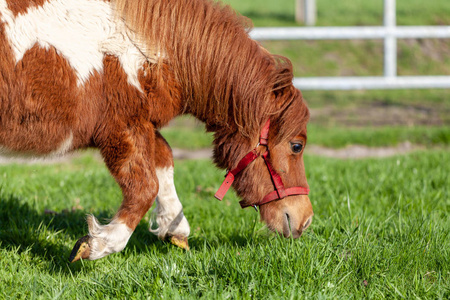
(389, 32)
(306, 12)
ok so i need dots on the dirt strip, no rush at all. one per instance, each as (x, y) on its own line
(40, 161)
(349, 152)
(358, 151)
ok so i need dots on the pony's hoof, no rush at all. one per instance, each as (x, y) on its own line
(81, 249)
(179, 241)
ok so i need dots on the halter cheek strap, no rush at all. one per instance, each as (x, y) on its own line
(279, 193)
(229, 177)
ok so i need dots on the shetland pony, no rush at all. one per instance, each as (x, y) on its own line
(109, 74)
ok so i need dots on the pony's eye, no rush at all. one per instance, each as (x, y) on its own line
(296, 147)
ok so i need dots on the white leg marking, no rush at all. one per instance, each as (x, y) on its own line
(82, 31)
(168, 213)
(107, 239)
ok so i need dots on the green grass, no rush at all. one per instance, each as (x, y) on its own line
(339, 137)
(381, 230)
(343, 99)
(190, 138)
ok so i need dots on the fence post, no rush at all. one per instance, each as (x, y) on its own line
(305, 12)
(390, 41)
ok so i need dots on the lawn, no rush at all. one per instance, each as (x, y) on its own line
(381, 230)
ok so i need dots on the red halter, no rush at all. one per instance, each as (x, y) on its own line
(279, 193)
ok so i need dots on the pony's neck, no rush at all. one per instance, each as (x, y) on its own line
(225, 76)
(238, 97)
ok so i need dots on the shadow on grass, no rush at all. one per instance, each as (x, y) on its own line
(238, 238)
(45, 234)
(199, 243)
(50, 236)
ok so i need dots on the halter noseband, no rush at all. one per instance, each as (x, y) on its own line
(279, 193)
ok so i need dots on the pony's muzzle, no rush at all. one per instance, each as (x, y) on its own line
(290, 216)
(289, 229)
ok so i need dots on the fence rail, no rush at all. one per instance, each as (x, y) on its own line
(338, 33)
(372, 83)
(389, 33)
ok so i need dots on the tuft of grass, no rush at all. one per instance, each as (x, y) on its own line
(381, 229)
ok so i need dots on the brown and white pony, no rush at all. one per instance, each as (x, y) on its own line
(109, 74)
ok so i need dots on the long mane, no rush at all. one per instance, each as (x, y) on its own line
(227, 78)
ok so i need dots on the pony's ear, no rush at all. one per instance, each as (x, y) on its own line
(283, 75)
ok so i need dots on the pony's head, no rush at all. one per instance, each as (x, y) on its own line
(266, 168)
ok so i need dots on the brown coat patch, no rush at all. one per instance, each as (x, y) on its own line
(21, 6)
(36, 118)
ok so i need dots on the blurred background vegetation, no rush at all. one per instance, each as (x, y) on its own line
(344, 12)
(340, 118)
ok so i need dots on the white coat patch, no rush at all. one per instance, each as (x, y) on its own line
(82, 31)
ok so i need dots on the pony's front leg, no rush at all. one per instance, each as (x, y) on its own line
(168, 214)
(129, 155)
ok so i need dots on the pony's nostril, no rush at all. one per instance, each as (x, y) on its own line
(308, 222)
(288, 220)
(286, 225)
(292, 231)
